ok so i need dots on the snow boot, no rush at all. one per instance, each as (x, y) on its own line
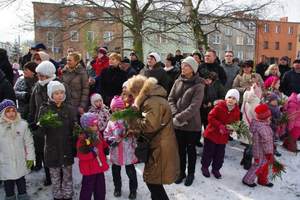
(247, 162)
(132, 195)
(11, 198)
(216, 173)
(23, 196)
(180, 178)
(250, 185)
(38, 161)
(243, 159)
(189, 180)
(117, 192)
(205, 172)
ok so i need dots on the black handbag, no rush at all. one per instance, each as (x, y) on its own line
(142, 147)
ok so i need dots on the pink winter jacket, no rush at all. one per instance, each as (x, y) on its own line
(294, 106)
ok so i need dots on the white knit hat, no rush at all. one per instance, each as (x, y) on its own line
(125, 84)
(233, 93)
(156, 56)
(95, 97)
(54, 86)
(46, 68)
(192, 63)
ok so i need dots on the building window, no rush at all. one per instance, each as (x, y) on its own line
(161, 38)
(216, 39)
(48, 15)
(290, 30)
(250, 26)
(218, 54)
(183, 39)
(276, 45)
(239, 25)
(249, 41)
(266, 28)
(289, 46)
(228, 47)
(266, 44)
(108, 36)
(90, 36)
(74, 36)
(108, 18)
(89, 15)
(228, 31)
(239, 55)
(239, 41)
(249, 56)
(50, 37)
(73, 16)
(277, 29)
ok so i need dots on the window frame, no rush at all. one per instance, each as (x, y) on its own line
(73, 35)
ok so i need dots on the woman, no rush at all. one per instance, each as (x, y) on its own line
(24, 87)
(185, 100)
(172, 72)
(245, 79)
(112, 79)
(155, 69)
(45, 73)
(163, 165)
(273, 70)
(74, 75)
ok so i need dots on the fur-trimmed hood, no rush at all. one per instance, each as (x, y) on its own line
(150, 88)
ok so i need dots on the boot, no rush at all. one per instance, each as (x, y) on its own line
(250, 185)
(180, 178)
(247, 162)
(23, 196)
(243, 159)
(117, 192)
(205, 172)
(216, 173)
(11, 198)
(132, 195)
(38, 161)
(48, 179)
(189, 180)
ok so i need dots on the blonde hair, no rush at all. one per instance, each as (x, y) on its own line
(116, 56)
(136, 83)
(77, 57)
(267, 73)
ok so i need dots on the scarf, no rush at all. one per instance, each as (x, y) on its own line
(44, 82)
(168, 68)
(30, 82)
(230, 107)
(70, 70)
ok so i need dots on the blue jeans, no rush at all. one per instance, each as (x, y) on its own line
(9, 186)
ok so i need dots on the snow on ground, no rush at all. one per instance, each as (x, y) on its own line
(228, 187)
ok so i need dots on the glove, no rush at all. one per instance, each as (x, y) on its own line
(92, 62)
(33, 127)
(95, 151)
(177, 123)
(29, 164)
(223, 129)
(114, 144)
(270, 158)
(27, 97)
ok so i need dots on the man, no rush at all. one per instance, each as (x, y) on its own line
(26, 58)
(5, 66)
(178, 56)
(136, 64)
(41, 47)
(230, 68)
(125, 66)
(236, 60)
(283, 66)
(262, 67)
(63, 60)
(291, 79)
(212, 66)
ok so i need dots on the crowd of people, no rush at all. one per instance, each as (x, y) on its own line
(178, 99)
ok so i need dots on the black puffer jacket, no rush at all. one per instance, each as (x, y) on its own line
(6, 68)
(283, 69)
(215, 67)
(6, 89)
(137, 65)
(290, 82)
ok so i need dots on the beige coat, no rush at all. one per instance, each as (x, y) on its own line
(163, 166)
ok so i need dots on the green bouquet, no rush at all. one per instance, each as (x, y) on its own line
(242, 129)
(127, 114)
(50, 120)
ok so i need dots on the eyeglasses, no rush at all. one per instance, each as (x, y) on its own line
(228, 56)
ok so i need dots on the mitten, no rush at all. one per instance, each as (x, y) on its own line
(33, 127)
(29, 164)
(223, 129)
(270, 158)
(177, 123)
(27, 97)
(95, 151)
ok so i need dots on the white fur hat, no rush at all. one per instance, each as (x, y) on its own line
(125, 84)
(233, 93)
(156, 56)
(54, 86)
(94, 97)
(46, 68)
(192, 63)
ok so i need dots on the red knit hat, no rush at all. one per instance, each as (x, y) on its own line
(262, 112)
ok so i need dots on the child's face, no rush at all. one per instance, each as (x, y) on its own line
(231, 101)
(98, 103)
(58, 96)
(10, 113)
(208, 81)
(273, 103)
(93, 128)
(125, 91)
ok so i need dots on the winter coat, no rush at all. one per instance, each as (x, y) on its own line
(79, 86)
(220, 115)
(290, 82)
(283, 69)
(242, 83)
(231, 72)
(137, 65)
(214, 67)
(262, 138)
(102, 115)
(123, 154)
(100, 64)
(6, 68)
(39, 96)
(276, 114)
(293, 106)
(111, 81)
(172, 75)
(163, 166)
(26, 59)
(186, 107)
(157, 72)
(261, 69)
(20, 89)
(6, 89)
(88, 164)
(58, 141)
(16, 148)
(130, 72)
(250, 102)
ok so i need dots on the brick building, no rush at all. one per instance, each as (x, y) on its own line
(59, 26)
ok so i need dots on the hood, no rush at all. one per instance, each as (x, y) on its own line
(249, 97)
(293, 98)
(150, 88)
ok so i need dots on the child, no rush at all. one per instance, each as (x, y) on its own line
(17, 150)
(58, 141)
(127, 96)
(216, 135)
(123, 154)
(293, 110)
(262, 147)
(92, 161)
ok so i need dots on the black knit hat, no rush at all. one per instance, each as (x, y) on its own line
(125, 60)
(285, 58)
(31, 66)
(135, 53)
(172, 60)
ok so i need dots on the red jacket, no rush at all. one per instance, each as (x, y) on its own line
(88, 164)
(100, 64)
(220, 115)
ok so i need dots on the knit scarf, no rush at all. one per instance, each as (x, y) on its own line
(44, 82)
(30, 82)
(70, 70)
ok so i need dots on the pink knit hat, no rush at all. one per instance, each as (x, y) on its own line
(270, 81)
(117, 102)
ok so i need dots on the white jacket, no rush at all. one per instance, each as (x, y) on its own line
(16, 147)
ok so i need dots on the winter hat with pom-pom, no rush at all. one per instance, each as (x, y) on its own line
(262, 112)
(88, 119)
(233, 93)
(6, 103)
(117, 103)
(95, 97)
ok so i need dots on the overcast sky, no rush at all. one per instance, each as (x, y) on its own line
(10, 21)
